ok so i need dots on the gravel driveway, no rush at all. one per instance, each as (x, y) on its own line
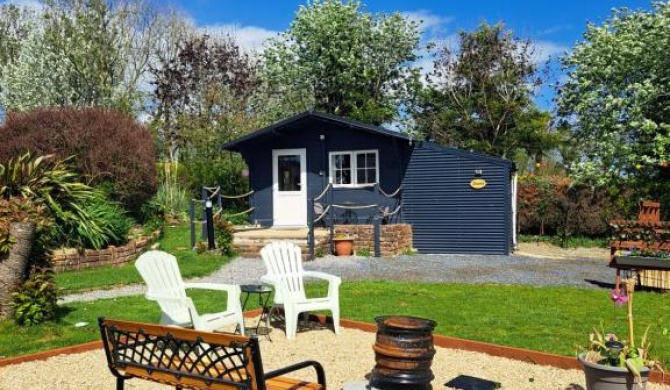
(575, 272)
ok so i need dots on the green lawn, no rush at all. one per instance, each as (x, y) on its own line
(548, 319)
(174, 240)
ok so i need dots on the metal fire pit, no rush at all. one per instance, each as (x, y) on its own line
(404, 351)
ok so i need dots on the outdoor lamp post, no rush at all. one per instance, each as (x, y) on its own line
(210, 224)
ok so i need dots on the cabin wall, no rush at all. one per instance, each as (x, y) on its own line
(393, 158)
(448, 215)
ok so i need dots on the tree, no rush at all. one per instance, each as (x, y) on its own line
(204, 96)
(479, 95)
(338, 59)
(617, 96)
(16, 22)
(84, 53)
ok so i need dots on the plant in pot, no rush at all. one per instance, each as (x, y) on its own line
(611, 363)
(344, 245)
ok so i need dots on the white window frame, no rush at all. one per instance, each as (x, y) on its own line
(354, 167)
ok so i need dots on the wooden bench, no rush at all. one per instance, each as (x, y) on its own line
(190, 359)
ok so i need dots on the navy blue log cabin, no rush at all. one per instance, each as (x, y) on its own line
(456, 201)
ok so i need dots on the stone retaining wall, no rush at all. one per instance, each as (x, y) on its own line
(395, 239)
(73, 259)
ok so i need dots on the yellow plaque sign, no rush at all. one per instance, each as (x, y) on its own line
(477, 184)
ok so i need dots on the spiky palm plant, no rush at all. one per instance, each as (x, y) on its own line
(51, 183)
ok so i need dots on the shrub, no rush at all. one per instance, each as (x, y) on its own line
(108, 215)
(555, 206)
(222, 169)
(54, 188)
(111, 217)
(236, 216)
(364, 252)
(223, 235)
(171, 201)
(36, 300)
(107, 146)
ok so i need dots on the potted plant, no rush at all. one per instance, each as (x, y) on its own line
(613, 364)
(344, 245)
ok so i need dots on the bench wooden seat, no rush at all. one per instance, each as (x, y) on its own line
(190, 359)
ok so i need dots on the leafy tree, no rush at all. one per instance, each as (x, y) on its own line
(338, 59)
(203, 98)
(16, 23)
(479, 96)
(617, 98)
(83, 53)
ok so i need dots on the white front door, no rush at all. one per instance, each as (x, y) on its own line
(289, 187)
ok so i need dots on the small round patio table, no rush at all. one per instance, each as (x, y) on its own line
(263, 292)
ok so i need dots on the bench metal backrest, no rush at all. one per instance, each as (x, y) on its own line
(183, 357)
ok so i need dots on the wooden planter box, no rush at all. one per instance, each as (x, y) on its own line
(642, 262)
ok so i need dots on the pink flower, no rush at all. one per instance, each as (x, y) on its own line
(619, 297)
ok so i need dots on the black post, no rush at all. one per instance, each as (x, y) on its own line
(210, 225)
(191, 213)
(377, 225)
(203, 231)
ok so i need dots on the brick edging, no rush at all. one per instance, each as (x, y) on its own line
(70, 259)
(525, 355)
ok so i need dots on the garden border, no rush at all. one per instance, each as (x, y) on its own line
(520, 354)
(71, 259)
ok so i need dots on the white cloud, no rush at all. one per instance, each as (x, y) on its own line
(430, 23)
(250, 38)
(546, 50)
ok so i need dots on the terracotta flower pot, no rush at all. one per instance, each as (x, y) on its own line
(601, 377)
(344, 246)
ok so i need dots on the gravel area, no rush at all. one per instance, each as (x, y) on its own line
(346, 357)
(515, 269)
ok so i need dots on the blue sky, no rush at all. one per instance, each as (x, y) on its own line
(555, 26)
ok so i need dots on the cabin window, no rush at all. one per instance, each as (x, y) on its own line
(354, 169)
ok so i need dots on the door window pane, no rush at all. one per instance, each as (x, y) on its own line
(288, 172)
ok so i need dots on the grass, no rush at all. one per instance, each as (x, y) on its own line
(572, 242)
(175, 240)
(548, 319)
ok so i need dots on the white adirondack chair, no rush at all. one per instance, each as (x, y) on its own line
(160, 272)
(283, 262)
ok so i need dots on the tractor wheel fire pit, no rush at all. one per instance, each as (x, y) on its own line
(404, 352)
